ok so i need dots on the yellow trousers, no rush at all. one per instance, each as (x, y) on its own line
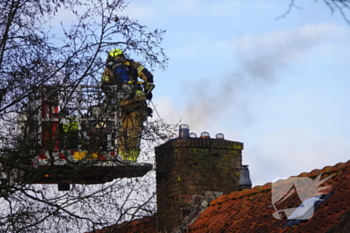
(130, 130)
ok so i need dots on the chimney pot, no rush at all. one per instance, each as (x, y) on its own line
(193, 135)
(220, 136)
(205, 135)
(244, 178)
(184, 131)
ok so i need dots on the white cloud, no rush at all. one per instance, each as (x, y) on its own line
(166, 109)
(197, 118)
(290, 152)
(262, 55)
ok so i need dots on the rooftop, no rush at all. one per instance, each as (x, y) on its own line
(251, 210)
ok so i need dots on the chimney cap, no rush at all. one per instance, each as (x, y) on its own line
(184, 126)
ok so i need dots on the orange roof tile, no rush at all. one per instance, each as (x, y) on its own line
(251, 210)
(144, 225)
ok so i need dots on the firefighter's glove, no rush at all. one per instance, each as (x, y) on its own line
(149, 96)
(149, 112)
(148, 90)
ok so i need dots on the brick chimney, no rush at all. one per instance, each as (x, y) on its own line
(189, 170)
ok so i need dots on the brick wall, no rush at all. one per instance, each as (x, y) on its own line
(187, 168)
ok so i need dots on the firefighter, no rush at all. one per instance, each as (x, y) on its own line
(122, 74)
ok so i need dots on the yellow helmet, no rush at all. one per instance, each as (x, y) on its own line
(115, 52)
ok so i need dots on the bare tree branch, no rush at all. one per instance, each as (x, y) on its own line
(39, 54)
(341, 6)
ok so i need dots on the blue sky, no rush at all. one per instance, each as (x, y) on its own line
(279, 85)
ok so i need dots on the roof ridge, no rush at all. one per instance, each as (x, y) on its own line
(137, 221)
(326, 169)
